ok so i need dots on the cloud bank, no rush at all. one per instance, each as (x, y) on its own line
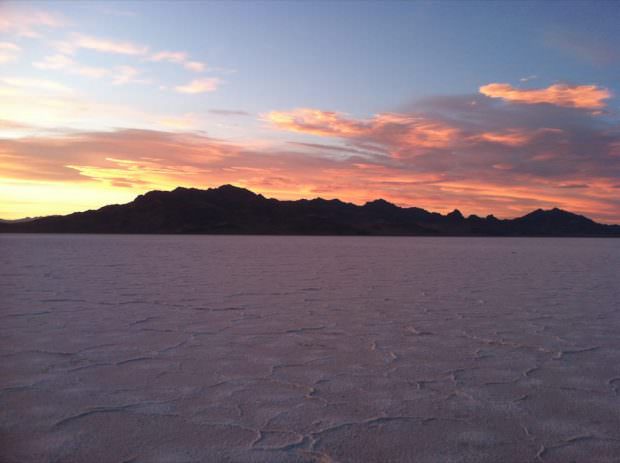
(476, 152)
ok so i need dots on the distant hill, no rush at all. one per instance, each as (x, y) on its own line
(232, 210)
(25, 219)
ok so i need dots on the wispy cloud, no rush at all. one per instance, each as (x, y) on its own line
(128, 75)
(196, 66)
(170, 56)
(316, 121)
(512, 137)
(48, 108)
(229, 112)
(28, 22)
(570, 96)
(67, 64)
(37, 84)
(121, 75)
(8, 52)
(199, 86)
(178, 57)
(103, 45)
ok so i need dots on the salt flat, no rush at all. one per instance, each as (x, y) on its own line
(308, 349)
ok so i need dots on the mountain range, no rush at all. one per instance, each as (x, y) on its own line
(232, 210)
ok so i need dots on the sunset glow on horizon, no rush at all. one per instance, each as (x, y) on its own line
(431, 105)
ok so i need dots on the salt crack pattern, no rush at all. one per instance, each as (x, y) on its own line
(308, 349)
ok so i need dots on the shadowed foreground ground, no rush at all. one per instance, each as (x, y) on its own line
(301, 349)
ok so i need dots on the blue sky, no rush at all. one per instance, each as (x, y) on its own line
(358, 57)
(181, 68)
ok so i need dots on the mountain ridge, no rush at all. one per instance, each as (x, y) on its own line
(233, 210)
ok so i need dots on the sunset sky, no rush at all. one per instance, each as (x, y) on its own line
(490, 107)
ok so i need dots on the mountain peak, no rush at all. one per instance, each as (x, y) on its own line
(233, 192)
(231, 209)
(455, 214)
(553, 213)
(230, 187)
(381, 203)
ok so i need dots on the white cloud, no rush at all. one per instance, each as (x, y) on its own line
(199, 86)
(128, 75)
(178, 57)
(102, 45)
(195, 66)
(38, 84)
(54, 62)
(8, 52)
(63, 62)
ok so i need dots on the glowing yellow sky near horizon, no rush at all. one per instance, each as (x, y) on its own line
(28, 199)
(50, 198)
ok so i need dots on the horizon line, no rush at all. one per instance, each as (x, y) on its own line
(307, 199)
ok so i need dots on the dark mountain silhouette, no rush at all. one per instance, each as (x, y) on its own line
(25, 219)
(232, 210)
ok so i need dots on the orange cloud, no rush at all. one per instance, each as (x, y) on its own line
(569, 96)
(129, 162)
(390, 129)
(317, 122)
(512, 137)
(417, 131)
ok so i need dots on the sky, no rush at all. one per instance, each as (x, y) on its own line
(488, 107)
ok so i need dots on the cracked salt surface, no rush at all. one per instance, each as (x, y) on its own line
(308, 349)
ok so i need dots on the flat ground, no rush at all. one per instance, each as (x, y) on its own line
(302, 349)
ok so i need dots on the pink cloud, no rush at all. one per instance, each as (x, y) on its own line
(195, 66)
(317, 122)
(199, 86)
(178, 57)
(512, 137)
(400, 130)
(26, 22)
(144, 159)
